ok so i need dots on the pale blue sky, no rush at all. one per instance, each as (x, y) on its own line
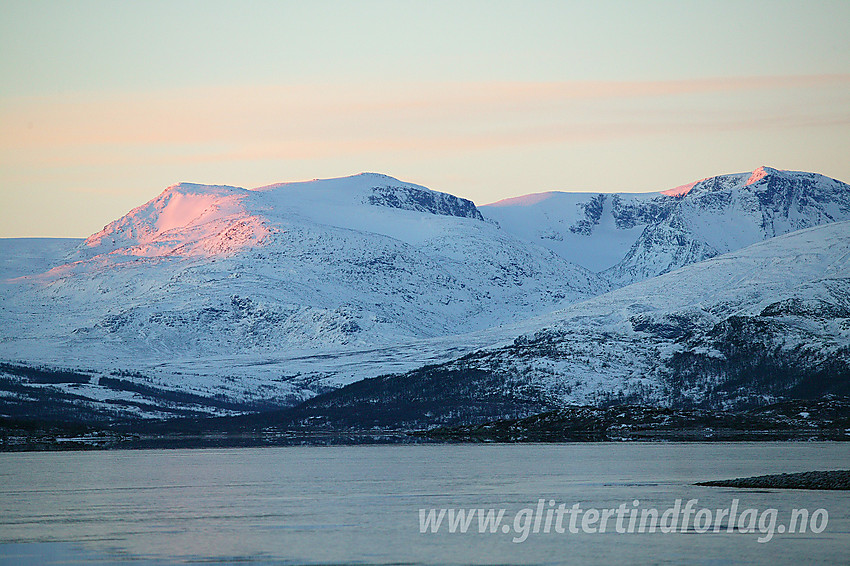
(103, 104)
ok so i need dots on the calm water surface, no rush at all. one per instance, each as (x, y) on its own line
(360, 504)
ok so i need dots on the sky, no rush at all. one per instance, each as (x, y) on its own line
(103, 104)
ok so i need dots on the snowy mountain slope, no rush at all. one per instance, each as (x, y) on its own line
(256, 292)
(647, 328)
(768, 321)
(631, 237)
(216, 299)
(20, 257)
(580, 227)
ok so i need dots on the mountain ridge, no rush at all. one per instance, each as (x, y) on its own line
(270, 296)
(256, 294)
(628, 237)
(742, 334)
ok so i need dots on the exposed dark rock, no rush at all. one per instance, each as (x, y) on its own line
(592, 214)
(409, 198)
(829, 480)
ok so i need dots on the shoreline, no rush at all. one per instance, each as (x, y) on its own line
(129, 441)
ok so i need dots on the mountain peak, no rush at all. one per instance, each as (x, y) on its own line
(199, 189)
(756, 176)
(185, 219)
(760, 174)
(359, 181)
(191, 219)
(376, 176)
(370, 189)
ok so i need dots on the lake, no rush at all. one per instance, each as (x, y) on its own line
(361, 505)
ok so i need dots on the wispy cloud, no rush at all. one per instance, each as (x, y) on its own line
(301, 122)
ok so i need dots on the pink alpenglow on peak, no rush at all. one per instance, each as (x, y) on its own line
(185, 220)
(756, 176)
(681, 190)
(759, 174)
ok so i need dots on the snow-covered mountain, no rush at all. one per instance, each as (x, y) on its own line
(257, 294)
(218, 299)
(766, 322)
(629, 237)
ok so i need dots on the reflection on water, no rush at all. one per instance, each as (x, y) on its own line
(360, 504)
